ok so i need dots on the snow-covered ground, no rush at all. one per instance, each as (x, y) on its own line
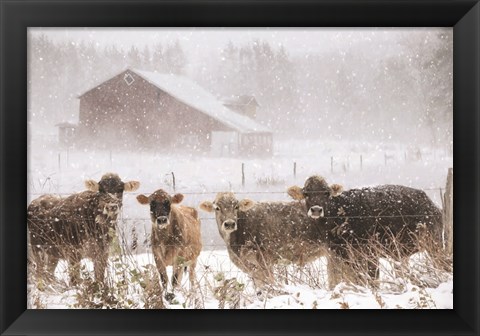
(306, 289)
(53, 170)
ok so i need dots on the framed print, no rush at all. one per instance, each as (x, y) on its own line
(282, 161)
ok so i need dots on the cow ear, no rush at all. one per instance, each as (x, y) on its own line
(206, 206)
(336, 190)
(131, 186)
(296, 193)
(177, 198)
(246, 204)
(142, 199)
(92, 185)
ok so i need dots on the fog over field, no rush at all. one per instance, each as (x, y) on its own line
(361, 107)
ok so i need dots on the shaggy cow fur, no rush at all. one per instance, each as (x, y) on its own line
(176, 239)
(395, 218)
(80, 225)
(261, 235)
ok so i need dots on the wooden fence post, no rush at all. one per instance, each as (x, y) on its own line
(294, 170)
(243, 174)
(448, 212)
(173, 181)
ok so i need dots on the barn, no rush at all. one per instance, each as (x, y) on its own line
(138, 109)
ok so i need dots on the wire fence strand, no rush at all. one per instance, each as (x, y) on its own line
(211, 192)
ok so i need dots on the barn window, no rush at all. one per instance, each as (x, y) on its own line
(128, 79)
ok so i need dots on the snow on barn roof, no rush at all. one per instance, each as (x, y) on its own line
(240, 100)
(190, 93)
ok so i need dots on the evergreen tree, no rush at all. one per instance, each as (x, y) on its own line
(146, 59)
(175, 59)
(134, 58)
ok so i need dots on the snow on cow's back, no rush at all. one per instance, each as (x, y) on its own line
(387, 198)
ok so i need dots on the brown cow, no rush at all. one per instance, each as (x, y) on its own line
(359, 224)
(261, 235)
(176, 239)
(80, 225)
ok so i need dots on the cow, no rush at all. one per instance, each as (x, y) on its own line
(260, 235)
(80, 225)
(360, 225)
(176, 239)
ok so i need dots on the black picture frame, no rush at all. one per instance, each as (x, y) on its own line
(17, 15)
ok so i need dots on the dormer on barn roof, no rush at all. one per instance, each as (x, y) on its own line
(243, 104)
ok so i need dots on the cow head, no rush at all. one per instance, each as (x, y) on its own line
(160, 206)
(108, 209)
(111, 183)
(316, 193)
(226, 208)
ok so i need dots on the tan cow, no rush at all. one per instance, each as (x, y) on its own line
(176, 238)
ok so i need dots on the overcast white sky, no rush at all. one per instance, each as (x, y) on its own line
(199, 40)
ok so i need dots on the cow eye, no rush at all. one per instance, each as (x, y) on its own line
(237, 207)
(216, 207)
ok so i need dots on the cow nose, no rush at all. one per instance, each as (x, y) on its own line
(230, 225)
(162, 220)
(111, 208)
(315, 212)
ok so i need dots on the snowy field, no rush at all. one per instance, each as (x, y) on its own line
(306, 289)
(199, 177)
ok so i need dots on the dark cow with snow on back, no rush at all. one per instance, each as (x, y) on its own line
(358, 224)
(77, 226)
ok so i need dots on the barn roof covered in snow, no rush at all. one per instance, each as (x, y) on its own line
(192, 94)
(242, 100)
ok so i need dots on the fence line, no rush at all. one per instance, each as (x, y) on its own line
(215, 192)
(325, 217)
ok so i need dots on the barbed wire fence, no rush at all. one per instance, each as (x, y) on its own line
(145, 221)
(211, 194)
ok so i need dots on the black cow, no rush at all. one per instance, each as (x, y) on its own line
(361, 225)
